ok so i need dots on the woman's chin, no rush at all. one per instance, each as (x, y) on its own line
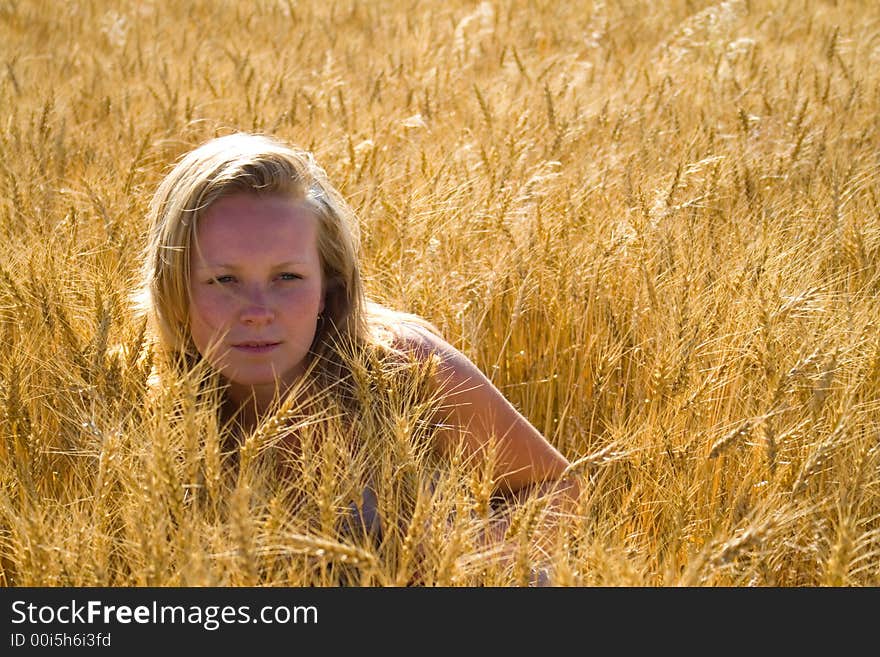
(250, 376)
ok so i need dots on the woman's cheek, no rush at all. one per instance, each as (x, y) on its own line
(303, 298)
(209, 318)
(212, 311)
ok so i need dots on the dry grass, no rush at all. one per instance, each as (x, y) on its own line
(656, 226)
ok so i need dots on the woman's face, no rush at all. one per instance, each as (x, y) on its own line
(256, 280)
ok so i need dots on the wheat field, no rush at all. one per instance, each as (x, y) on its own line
(654, 225)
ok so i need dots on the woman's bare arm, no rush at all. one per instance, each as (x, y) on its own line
(475, 412)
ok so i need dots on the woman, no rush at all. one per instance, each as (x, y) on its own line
(252, 267)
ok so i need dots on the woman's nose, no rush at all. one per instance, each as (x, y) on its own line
(256, 306)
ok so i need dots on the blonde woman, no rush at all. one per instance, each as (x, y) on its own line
(251, 266)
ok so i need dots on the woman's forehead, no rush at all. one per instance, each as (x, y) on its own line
(247, 225)
(233, 208)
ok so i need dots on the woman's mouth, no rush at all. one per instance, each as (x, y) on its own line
(256, 347)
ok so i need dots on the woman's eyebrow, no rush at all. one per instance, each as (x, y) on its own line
(223, 265)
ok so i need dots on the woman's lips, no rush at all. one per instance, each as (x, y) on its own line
(257, 350)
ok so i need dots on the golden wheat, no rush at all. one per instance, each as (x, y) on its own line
(655, 226)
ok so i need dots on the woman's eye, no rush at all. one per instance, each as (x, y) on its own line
(228, 279)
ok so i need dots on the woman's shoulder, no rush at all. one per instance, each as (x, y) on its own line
(424, 344)
(408, 339)
(402, 331)
(417, 338)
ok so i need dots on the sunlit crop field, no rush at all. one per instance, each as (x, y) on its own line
(654, 225)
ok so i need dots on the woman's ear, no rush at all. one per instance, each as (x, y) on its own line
(330, 300)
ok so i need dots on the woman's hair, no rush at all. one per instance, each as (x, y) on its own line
(254, 164)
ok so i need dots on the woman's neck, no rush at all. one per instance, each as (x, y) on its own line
(249, 404)
(256, 400)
